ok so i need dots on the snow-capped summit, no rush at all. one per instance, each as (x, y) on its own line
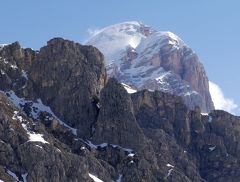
(139, 55)
(114, 39)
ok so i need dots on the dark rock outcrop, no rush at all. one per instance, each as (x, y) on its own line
(63, 75)
(116, 122)
(26, 148)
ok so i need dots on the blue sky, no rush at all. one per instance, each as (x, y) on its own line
(210, 27)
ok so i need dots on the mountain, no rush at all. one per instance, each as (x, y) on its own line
(62, 119)
(145, 58)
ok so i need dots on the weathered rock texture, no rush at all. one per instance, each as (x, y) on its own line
(145, 136)
(116, 123)
(63, 75)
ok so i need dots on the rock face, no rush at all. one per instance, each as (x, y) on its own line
(63, 75)
(116, 123)
(145, 58)
(61, 120)
(72, 78)
(26, 149)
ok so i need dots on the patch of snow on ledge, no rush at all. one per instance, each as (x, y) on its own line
(13, 175)
(90, 144)
(212, 148)
(169, 165)
(34, 137)
(95, 179)
(129, 89)
(40, 107)
(24, 176)
(119, 178)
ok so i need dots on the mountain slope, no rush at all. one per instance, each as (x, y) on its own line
(142, 57)
(61, 119)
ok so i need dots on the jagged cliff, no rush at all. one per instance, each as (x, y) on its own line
(62, 120)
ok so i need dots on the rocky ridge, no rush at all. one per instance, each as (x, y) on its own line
(61, 120)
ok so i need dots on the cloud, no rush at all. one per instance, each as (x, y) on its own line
(93, 31)
(220, 101)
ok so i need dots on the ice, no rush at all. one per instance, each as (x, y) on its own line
(95, 179)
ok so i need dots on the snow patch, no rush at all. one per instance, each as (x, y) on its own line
(93, 146)
(14, 66)
(37, 107)
(119, 178)
(39, 146)
(24, 74)
(131, 155)
(2, 46)
(113, 40)
(95, 179)
(210, 119)
(13, 175)
(169, 165)
(24, 176)
(129, 89)
(32, 136)
(169, 172)
(2, 72)
(212, 148)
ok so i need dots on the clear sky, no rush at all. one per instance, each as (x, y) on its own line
(210, 27)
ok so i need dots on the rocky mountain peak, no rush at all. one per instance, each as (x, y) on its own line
(61, 119)
(155, 60)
